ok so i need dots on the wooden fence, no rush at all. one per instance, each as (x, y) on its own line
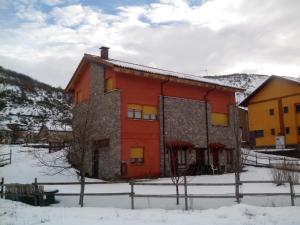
(238, 195)
(264, 161)
(5, 159)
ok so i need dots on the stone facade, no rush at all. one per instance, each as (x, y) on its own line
(102, 123)
(185, 121)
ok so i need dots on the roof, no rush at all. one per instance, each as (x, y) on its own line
(157, 72)
(246, 100)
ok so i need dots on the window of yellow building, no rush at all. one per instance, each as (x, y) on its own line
(136, 155)
(298, 108)
(149, 112)
(219, 119)
(272, 131)
(285, 109)
(108, 85)
(259, 133)
(287, 130)
(134, 111)
(271, 112)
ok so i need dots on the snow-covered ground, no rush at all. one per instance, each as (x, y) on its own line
(25, 167)
(15, 213)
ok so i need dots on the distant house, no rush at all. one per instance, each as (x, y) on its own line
(152, 122)
(274, 112)
(57, 137)
(6, 135)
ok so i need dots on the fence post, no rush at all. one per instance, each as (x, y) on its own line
(269, 162)
(2, 186)
(237, 187)
(10, 156)
(35, 192)
(292, 192)
(185, 194)
(256, 159)
(132, 194)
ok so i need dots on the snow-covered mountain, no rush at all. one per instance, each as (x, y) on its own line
(247, 81)
(31, 103)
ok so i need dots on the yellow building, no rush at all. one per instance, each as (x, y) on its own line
(274, 110)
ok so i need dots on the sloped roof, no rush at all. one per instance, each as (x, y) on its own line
(160, 73)
(245, 102)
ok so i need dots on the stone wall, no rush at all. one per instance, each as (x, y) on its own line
(103, 113)
(185, 121)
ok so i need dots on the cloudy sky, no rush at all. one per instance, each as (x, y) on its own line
(46, 39)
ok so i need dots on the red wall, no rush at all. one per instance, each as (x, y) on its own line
(83, 83)
(141, 133)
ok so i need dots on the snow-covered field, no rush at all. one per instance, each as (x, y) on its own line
(25, 167)
(15, 213)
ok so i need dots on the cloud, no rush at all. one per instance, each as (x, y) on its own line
(220, 36)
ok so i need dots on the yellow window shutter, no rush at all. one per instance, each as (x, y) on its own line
(150, 110)
(108, 84)
(219, 119)
(136, 153)
(134, 106)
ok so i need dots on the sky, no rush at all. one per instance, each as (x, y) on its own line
(46, 39)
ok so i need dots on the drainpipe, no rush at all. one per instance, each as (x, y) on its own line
(163, 123)
(207, 123)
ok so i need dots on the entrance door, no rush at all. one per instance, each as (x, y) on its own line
(215, 157)
(96, 163)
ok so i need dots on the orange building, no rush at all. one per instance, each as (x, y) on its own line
(148, 121)
(274, 111)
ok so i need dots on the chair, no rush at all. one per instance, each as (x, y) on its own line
(214, 169)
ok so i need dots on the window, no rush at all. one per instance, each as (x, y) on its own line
(271, 112)
(134, 111)
(181, 159)
(149, 112)
(298, 108)
(285, 109)
(272, 131)
(287, 130)
(108, 85)
(136, 155)
(219, 119)
(258, 133)
(78, 97)
(146, 112)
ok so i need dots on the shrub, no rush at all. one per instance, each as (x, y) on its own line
(287, 171)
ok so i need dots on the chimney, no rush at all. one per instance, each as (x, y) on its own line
(104, 52)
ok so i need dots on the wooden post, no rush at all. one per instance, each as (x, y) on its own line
(185, 194)
(237, 187)
(269, 162)
(2, 187)
(256, 158)
(132, 194)
(292, 192)
(35, 192)
(10, 156)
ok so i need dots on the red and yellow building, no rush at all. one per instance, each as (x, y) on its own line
(140, 113)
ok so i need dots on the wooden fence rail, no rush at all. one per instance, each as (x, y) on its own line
(238, 195)
(4, 160)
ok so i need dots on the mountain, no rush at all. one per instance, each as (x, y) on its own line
(242, 80)
(31, 103)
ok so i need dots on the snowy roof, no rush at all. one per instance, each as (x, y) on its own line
(58, 127)
(247, 99)
(152, 70)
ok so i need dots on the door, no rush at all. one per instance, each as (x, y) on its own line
(96, 163)
(215, 157)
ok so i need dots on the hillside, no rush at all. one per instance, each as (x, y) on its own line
(247, 81)
(29, 102)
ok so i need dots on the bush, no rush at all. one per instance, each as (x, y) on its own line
(285, 172)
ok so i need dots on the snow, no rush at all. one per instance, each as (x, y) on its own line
(14, 213)
(25, 167)
(154, 70)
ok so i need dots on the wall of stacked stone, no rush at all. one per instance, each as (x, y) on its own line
(185, 121)
(103, 123)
